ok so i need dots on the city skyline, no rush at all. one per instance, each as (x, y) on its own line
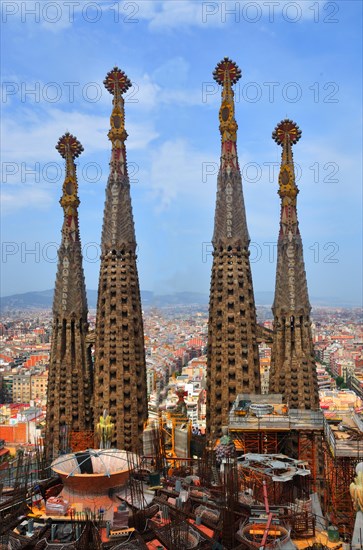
(173, 145)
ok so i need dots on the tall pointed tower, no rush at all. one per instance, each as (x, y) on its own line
(293, 370)
(70, 380)
(120, 367)
(233, 361)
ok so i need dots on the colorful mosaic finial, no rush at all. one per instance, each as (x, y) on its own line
(286, 129)
(69, 144)
(117, 80)
(286, 134)
(117, 83)
(70, 148)
(226, 74)
(227, 67)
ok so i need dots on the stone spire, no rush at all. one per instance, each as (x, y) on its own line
(120, 367)
(233, 361)
(70, 380)
(293, 369)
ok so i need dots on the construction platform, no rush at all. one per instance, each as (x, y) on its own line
(343, 450)
(268, 412)
(346, 438)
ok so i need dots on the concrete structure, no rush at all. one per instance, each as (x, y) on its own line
(120, 368)
(29, 386)
(70, 373)
(232, 361)
(88, 478)
(293, 369)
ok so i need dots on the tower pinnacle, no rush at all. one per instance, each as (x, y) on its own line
(233, 362)
(227, 73)
(70, 292)
(70, 380)
(118, 225)
(70, 148)
(286, 134)
(120, 368)
(230, 225)
(293, 370)
(117, 83)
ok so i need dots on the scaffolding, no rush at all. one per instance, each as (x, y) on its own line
(258, 478)
(259, 441)
(170, 424)
(343, 450)
(310, 450)
(275, 429)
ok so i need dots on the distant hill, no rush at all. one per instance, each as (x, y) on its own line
(38, 299)
(43, 300)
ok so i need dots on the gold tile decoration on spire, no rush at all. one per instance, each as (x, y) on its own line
(286, 134)
(69, 148)
(226, 74)
(117, 83)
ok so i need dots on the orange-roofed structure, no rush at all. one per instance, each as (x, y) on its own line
(35, 359)
(5, 358)
(16, 433)
(195, 343)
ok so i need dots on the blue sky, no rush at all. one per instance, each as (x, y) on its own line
(298, 59)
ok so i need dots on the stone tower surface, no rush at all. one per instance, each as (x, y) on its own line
(120, 367)
(293, 369)
(70, 377)
(233, 361)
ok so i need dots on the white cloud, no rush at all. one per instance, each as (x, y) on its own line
(180, 172)
(33, 136)
(17, 198)
(162, 15)
(173, 72)
(148, 91)
(144, 95)
(182, 97)
(148, 94)
(328, 167)
(174, 14)
(60, 15)
(177, 172)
